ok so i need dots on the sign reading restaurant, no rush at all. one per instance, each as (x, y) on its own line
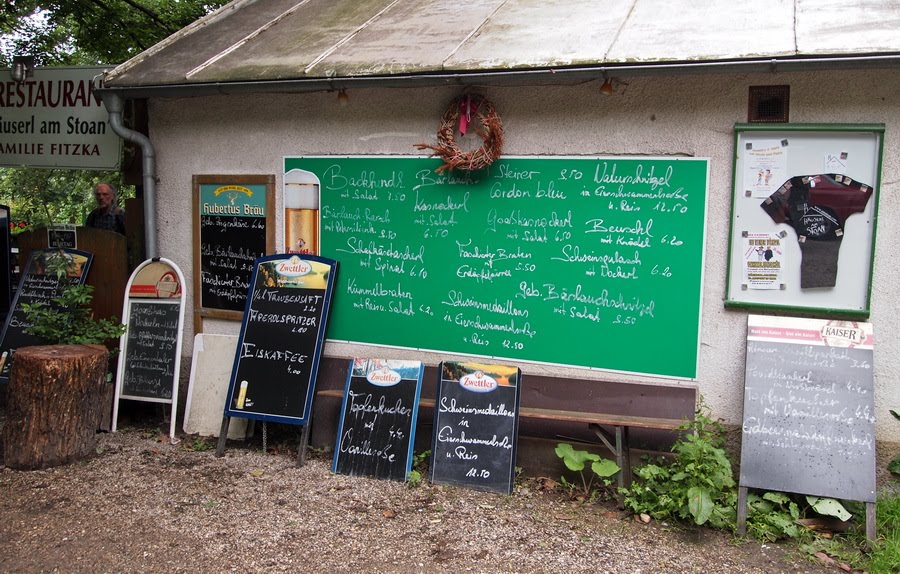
(54, 119)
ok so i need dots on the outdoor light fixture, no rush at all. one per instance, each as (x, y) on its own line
(343, 98)
(607, 88)
(22, 68)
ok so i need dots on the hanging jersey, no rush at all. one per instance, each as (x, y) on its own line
(817, 207)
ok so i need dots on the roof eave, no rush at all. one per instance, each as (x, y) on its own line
(511, 77)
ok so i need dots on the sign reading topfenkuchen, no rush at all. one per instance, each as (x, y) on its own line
(476, 424)
(278, 350)
(378, 418)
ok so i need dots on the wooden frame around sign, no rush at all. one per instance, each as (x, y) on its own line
(838, 157)
(201, 308)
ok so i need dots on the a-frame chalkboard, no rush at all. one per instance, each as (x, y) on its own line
(150, 357)
(809, 410)
(476, 426)
(48, 273)
(377, 429)
(282, 333)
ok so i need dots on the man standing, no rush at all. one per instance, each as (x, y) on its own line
(107, 215)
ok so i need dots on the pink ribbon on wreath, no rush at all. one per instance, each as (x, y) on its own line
(466, 108)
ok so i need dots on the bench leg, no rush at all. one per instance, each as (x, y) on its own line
(622, 454)
(623, 459)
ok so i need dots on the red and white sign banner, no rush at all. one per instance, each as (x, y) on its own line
(826, 333)
(55, 119)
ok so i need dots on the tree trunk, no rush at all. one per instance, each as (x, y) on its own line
(54, 404)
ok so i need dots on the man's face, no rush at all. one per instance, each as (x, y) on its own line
(103, 196)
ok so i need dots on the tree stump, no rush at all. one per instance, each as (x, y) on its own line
(54, 404)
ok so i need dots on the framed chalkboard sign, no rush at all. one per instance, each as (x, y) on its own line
(809, 408)
(377, 427)
(5, 266)
(234, 224)
(280, 342)
(804, 213)
(523, 261)
(47, 274)
(476, 426)
(150, 357)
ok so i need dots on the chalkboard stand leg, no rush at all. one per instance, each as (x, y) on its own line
(742, 511)
(304, 439)
(223, 437)
(870, 523)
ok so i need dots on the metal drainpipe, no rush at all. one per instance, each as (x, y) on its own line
(114, 106)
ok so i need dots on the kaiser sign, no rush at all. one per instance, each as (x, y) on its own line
(54, 119)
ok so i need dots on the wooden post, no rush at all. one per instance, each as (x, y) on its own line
(55, 404)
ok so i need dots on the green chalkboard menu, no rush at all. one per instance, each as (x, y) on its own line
(48, 273)
(234, 223)
(809, 407)
(377, 429)
(585, 261)
(277, 356)
(476, 426)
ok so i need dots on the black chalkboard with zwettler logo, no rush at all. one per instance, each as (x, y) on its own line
(378, 418)
(476, 423)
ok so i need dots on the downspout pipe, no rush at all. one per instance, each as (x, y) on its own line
(115, 104)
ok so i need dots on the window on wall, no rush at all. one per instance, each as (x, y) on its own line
(769, 104)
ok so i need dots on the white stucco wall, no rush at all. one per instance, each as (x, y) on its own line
(691, 115)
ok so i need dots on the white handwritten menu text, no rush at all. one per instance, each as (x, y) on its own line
(48, 273)
(476, 425)
(277, 357)
(377, 429)
(556, 260)
(150, 359)
(233, 226)
(809, 407)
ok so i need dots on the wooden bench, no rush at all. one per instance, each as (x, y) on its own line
(617, 442)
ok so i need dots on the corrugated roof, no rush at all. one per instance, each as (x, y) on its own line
(327, 42)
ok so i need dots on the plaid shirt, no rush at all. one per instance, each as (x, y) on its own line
(113, 220)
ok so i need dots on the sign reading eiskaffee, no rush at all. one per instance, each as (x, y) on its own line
(55, 120)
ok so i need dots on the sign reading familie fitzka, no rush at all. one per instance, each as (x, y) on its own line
(54, 119)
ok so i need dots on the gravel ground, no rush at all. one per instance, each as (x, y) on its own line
(143, 505)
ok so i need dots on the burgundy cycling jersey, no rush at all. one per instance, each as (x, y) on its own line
(817, 207)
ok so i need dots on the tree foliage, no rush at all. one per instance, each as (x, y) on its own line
(78, 32)
(86, 32)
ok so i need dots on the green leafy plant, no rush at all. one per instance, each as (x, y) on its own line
(772, 515)
(576, 460)
(419, 468)
(68, 319)
(697, 484)
(200, 444)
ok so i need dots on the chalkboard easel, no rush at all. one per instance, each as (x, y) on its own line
(47, 274)
(809, 411)
(377, 429)
(150, 357)
(476, 426)
(281, 338)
